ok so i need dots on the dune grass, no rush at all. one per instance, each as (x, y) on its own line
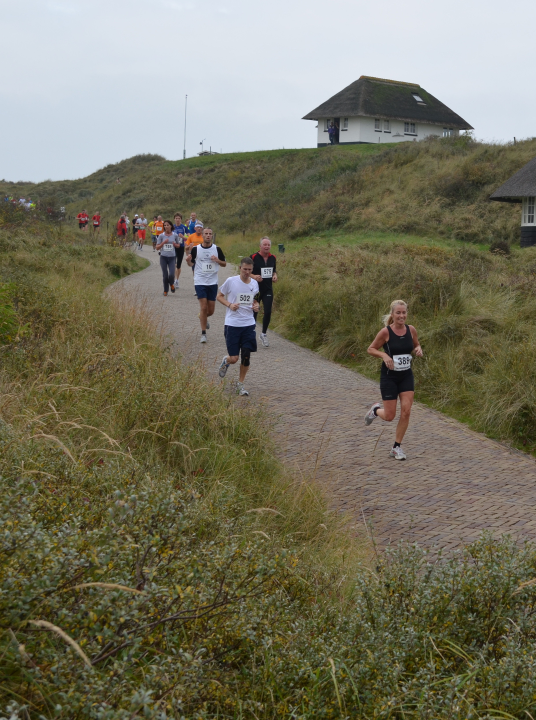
(157, 561)
(473, 311)
(438, 188)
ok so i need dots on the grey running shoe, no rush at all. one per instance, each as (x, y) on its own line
(241, 389)
(397, 453)
(208, 325)
(264, 340)
(223, 367)
(370, 416)
(203, 339)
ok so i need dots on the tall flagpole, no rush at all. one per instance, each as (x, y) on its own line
(185, 108)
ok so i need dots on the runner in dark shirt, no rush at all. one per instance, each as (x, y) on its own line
(264, 272)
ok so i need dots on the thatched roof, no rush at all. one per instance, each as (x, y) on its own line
(374, 97)
(520, 185)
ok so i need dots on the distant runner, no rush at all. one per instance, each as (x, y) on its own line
(167, 242)
(83, 219)
(191, 223)
(154, 236)
(135, 229)
(264, 272)
(96, 220)
(206, 259)
(196, 238)
(238, 295)
(180, 230)
(141, 226)
(399, 342)
(122, 228)
(158, 227)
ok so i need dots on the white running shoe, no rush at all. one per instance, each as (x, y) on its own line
(241, 389)
(203, 339)
(264, 340)
(371, 415)
(223, 367)
(176, 284)
(397, 453)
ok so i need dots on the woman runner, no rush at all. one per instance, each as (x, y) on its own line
(399, 342)
(167, 242)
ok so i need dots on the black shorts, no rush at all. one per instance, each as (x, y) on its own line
(395, 383)
(179, 254)
(82, 225)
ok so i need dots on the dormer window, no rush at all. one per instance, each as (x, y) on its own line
(418, 99)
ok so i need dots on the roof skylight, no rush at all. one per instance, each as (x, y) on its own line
(418, 98)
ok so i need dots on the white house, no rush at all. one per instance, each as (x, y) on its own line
(521, 188)
(373, 110)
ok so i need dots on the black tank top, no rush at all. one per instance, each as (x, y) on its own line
(397, 345)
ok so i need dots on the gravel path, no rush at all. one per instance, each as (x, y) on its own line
(455, 482)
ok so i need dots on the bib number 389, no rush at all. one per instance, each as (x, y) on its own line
(402, 362)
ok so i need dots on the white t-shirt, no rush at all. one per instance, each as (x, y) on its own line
(141, 223)
(234, 290)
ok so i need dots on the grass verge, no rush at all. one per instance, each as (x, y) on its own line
(156, 561)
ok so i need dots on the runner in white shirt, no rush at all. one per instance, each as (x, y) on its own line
(238, 295)
(206, 259)
(141, 227)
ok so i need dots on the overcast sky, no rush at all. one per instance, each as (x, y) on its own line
(91, 82)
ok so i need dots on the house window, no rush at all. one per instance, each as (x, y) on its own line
(328, 120)
(344, 124)
(378, 125)
(528, 211)
(386, 126)
(409, 128)
(418, 98)
(448, 132)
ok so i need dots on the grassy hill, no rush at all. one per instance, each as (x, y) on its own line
(438, 188)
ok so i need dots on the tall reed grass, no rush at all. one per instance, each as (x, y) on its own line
(473, 310)
(157, 561)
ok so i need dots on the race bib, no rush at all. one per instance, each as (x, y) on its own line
(402, 362)
(245, 298)
(168, 246)
(208, 266)
(267, 272)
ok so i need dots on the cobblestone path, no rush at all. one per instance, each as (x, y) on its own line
(454, 483)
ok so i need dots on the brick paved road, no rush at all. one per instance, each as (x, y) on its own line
(454, 483)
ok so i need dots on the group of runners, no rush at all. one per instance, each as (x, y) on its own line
(83, 221)
(395, 345)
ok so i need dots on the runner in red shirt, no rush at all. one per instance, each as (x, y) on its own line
(83, 219)
(122, 228)
(96, 223)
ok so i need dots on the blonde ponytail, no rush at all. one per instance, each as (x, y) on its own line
(388, 319)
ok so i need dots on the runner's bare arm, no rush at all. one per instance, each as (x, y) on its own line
(374, 348)
(417, 349)
(220, 297)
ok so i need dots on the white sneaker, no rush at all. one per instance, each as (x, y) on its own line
(240, 389)
(176, 284)
(371, 415)
(264, 340)
(203, 339)
(397, 453)
(223, 367)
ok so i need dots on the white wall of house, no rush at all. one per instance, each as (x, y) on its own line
(528, 216)
(365, 130)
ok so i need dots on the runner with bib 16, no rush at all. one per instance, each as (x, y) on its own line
(400, 343)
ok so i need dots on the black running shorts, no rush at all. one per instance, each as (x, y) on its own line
(395, 383)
